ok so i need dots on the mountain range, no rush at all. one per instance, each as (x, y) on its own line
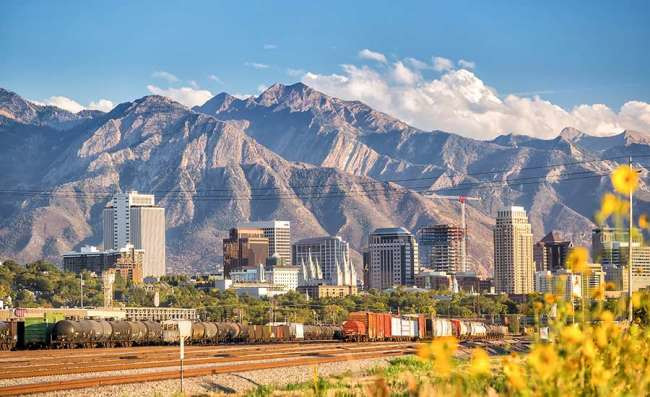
(327, 165)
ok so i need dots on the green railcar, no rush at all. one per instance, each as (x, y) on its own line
(37, 331)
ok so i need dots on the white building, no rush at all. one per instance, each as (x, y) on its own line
(133, 218)
(284, 276)
(279, 235)
(330, 254)
(563, 283)
(393, 256)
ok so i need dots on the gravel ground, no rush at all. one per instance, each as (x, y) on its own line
(226, 383)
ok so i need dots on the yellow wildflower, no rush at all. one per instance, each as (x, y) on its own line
(480, 364)
(577, 260)
(608, 205)
(643, 221)
(636, 300)
(515, 375)
(549, 299)
(588, 349)
(424, 351)
(442, 350)
(572, 334)
(606, 316)
(625, 179)
(537, 306)
(543, 359)
(599, 293)
(600, 336)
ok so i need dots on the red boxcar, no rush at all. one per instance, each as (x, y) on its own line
(387, 325)
(355, 330)
(422, 326)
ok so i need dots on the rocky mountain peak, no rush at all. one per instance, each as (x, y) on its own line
(571, 134)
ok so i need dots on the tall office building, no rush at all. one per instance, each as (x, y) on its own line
(514, 268)
(440, 248)
(330, 253)
(393, 258)
(279, 235)
(244, 247)
(133, 218)
(550, 253)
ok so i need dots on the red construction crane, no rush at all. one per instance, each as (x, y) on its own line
(461, 200)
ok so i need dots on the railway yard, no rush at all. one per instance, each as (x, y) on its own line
(221, 368)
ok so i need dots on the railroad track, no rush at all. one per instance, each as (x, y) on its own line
(367, 353)
(68, 368)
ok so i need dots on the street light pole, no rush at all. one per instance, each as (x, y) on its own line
(629, 257)
(81, 289)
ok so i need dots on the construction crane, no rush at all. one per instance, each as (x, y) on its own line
(461, 200)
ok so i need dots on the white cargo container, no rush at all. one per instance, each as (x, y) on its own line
(395, 326)
(406, 327)
(442, 327)
(478, 329)
(297, 331)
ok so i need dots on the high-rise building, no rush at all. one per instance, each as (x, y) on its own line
(550, 253)
(562, 283)
(127, 262)
(244, 247)
(279, 235)
(614, 262)
(513, 252)
(133, 218)
(393, 258)
(440, 248)
(329, 255)
(593, 280)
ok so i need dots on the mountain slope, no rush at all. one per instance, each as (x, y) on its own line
(327, 165)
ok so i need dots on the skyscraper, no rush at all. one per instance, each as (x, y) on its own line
(393, 255)
(331, 254)
(133, 218)
(245, 247)
(440, 248)
(279, 235)
(550, 253)
(513, 252)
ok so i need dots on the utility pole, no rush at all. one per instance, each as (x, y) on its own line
(629, 257)
(81, 289)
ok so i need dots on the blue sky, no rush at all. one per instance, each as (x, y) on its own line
(567, 53)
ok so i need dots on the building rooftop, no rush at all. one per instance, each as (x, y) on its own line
(391, 230)
(313, 240)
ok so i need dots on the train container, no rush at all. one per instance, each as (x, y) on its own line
(396, 327)
(373, 324)
(90, 333)
(121, 335)
(211, 332)
(388, 328)
(267, 333)
(8, 335)
(245, 331)
(354, 330)
(154, 332)
(461, 329)
(442, 327)
(65, 333)
(422, 326)
(296, 331)
(138, 332)
(228, 332)
(36, 331)
(477, 330)
(197, 333)
(106, 333)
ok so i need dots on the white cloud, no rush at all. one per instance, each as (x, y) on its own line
(215, 78)
(103, 104)
(170, 78)
(416, 63)
(442, 64)
(466, 64)
(404, 75)
(270, 46)
(372, 55)
(256, 65)
(193, 84)
(188, 96)
(73, 106)
(295, 72)
(65, 103)
(459, 101)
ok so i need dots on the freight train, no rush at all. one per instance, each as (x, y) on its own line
(368, 326)
(55, 332)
